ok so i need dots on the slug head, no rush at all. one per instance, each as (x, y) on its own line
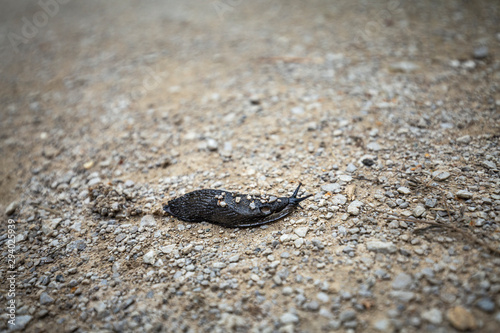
(294, 200)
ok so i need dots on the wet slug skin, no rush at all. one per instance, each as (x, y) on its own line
(233, 210)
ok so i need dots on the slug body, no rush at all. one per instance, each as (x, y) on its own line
(231, 210)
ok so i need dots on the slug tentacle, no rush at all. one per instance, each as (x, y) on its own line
(232, 210)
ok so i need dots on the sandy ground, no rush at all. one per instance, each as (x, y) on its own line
(154, 99)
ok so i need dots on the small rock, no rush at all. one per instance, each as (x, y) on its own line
(351, 168)
(11, 208)
(45, 299)
(480, 52)
(148, 221)
(298, 110)
(354, 207)
(381, 247)
(486, 304)
(289, 318)
(234, 258)
(301, 231)
(419, 211)
(339, 199)
(404, 190)
(402, 281)
(21, 322)
(78, 244)
(463, 194)
(373, 146)
(461, 319)
(434, 316)
(466, 139)
(383, 325)
(404, 67)
(212, 144)
(330, 187)
(440, 175)
(150, 257)
(347, 315)
(489, 165)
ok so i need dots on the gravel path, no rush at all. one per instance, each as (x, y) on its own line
(387, 112)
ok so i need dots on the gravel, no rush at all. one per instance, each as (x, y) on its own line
(371, 123)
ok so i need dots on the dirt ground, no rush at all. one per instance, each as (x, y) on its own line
(110, 109)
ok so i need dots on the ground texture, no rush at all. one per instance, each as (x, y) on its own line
(110, 109)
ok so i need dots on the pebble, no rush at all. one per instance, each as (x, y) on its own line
(45, 299)
(381, 247)
(298, 110)
(338, 199)
(489, 165)
(289, 318)
(301, 231)
(148, 221)
(440, 175)
(383, 325)
(354, 207)
(461, 318)
(212, 145)
(463, 194)
(351, 168)
(78, 244)
(374, 146)
(234, 258)
(149, 257)
(21, 322)
(480, 52)
(486, 304)
(433, 315)
(402, 281)
(419, 211)
(347, 315)
(330, 187)
(11, 208)
(466, 139)
(404, 190)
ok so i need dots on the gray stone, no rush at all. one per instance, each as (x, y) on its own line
(298, 110)
(347, 315)
(440, 175)
(381, 247)
(150, 257)
(402, 281)
(403, 296)
(463, 194)
(419, 211)
(148, 221)
(373, 146)
(301, 231)
(339, 199)
(351, 168)
(434, 316)
(486, 304)
(45, 299)
(78, 244)
(480, 52)
(11, 208)
(289, 318)
(212, 144)
(354, 207)
(404, 190)
(383, 325)
(466, 139)
(330, 187)
(21, 323)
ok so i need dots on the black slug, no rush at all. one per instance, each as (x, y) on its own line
(231, 210)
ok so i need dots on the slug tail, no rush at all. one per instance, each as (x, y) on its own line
(166, 209)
